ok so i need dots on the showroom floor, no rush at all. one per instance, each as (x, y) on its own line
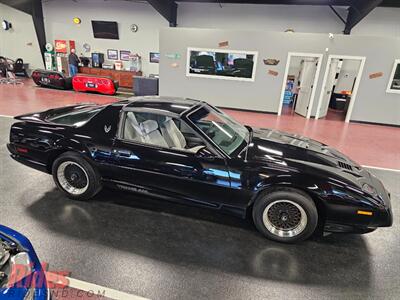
(165, 251)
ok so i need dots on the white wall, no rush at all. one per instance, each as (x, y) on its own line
(58, 15)
(373, 104)
(21, 40)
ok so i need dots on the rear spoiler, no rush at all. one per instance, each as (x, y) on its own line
(44, 115)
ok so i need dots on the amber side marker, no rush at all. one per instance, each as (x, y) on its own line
(363, 212)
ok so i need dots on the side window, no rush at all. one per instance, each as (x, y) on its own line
(160, 130)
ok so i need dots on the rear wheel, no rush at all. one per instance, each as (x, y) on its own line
(75, 176)
(285, 215)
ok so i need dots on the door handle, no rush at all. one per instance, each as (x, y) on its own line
(123, 153)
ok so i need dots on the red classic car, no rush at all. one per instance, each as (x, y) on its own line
(90, 83)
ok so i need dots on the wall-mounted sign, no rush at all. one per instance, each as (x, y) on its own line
(72, 45)
(375, 75)
(60, 46)
(271, 61)
(273, 73)
(223, 44)
(394, 79)
(173, 55)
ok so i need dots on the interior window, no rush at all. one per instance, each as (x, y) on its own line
(160, 130)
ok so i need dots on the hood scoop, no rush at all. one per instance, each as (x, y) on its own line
(295, 140)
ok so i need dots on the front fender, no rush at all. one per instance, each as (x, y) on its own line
(337, 200)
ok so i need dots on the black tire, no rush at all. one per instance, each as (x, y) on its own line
(275, 210)
(88, 177)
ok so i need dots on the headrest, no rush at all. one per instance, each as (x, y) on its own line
(132, 119)
(167, 120)
(149, 126)
(169, 124)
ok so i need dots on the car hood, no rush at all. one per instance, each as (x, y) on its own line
(275, 145)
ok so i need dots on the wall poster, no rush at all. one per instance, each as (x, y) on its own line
(221, 64)
(394, 79)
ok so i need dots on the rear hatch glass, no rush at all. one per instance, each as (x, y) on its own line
(76, 117)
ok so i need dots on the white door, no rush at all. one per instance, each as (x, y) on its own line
(306, 85)
(328, 88)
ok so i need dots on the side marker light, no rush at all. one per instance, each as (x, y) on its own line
(363, 212)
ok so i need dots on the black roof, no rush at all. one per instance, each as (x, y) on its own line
(174, 105)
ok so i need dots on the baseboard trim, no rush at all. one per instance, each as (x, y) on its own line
(249, 110)
(374, 123)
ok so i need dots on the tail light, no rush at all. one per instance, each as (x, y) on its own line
(22, 150)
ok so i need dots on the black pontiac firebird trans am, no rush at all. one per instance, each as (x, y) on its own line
(188, 151)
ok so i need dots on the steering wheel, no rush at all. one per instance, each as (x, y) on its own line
(211, 131)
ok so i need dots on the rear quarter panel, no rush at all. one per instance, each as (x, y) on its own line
(39, 140)
(44, 142)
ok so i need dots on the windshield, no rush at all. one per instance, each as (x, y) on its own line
(222, 129)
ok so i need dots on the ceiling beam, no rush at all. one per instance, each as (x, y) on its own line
(281, 2)
(33, 8)
(386, 3)
(337, 14)
(358, 11)
(167, 8)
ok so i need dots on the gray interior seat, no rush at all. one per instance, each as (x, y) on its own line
(132, 129)
(151, 134)
(173, 136)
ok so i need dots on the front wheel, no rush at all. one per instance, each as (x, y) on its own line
(285, 215)
(75, 176)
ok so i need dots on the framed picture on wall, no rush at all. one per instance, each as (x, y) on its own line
(394, 79)
(112, 54)
(155, 57)
(124, 54)
(221, 64)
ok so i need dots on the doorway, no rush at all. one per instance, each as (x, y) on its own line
(339, 88)
(299, 84)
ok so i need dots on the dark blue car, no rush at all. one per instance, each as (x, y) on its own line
(21, 274)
